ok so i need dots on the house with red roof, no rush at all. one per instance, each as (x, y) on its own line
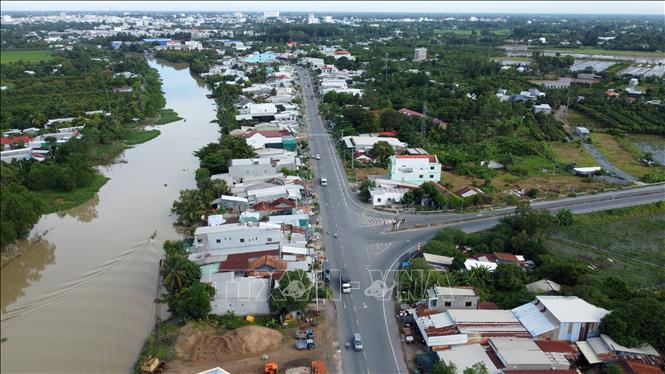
(14, 141)
(416, 169)
(263, 138)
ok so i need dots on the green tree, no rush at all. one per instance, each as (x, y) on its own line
(192, 302)
(381, 151)
(179, 273)
(636, 321)
(293, 292)
(564, 217)
(508, 277)
(441, 368)
(477, 368)
(613, 369)
(364, 194)
(21, 209)
(190, 208)
(390, 119)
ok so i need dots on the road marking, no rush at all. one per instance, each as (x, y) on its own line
(344, 305)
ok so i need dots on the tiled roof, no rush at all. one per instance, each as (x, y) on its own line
(15, 139)
(238, 261)
(267, 260)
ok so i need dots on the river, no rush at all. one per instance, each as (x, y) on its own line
(80, 297)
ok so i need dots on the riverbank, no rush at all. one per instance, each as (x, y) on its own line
(87, 275)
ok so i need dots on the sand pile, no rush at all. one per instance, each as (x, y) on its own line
(204, 344)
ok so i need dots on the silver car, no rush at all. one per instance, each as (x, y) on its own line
(357, 342)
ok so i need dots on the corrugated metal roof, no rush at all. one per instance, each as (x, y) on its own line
(534, 321)
(588, 352)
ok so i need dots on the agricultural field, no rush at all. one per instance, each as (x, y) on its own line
(625, 243)
(36, 55)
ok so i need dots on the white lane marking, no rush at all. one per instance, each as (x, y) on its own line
(385, 319)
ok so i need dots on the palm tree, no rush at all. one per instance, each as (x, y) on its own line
(564, 217)
(175, 273)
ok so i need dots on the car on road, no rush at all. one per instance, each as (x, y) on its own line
(357, 342)
(318, 156)
(324, 181)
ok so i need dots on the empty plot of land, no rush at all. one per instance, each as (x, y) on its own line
(35, 55)
(626, 243)
(597, 66)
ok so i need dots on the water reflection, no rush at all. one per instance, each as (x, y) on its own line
(85, 212)
(37, 253)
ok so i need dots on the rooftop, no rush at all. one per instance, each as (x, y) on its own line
(466, 356)
(430, 158)
(455, 291)
(572, 309)
(482, 316)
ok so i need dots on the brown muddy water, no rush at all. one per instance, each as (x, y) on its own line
(80, 297)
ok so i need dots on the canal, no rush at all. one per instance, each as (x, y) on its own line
(80, 297)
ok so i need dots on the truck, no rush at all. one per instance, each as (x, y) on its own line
(324, 181)
(345, 281)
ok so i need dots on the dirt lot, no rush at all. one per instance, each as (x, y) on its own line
(201, 346)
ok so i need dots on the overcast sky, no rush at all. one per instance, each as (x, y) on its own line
(523, 7)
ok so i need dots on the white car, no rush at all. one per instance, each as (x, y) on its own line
(318, 156)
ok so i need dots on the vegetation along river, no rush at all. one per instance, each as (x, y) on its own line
(80, 297)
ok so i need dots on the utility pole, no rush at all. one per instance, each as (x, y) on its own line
(423, 123)
(385, 68)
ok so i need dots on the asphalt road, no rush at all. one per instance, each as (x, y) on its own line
(366, 246)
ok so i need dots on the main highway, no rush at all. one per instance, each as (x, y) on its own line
(361, 239)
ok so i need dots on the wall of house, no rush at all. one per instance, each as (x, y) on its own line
(236, 239)
(386, 199)
(416, 171)
(445, 302)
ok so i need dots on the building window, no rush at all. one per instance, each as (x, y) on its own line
(218, 240)
(199, 240)
(420, 176)
(242, 240)
(447, 303)
(431, 167)
(432, 302)
(468, 304)
(269, 239)
(378, 200)
(431, 176)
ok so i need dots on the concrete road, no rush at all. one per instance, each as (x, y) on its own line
(366, 247)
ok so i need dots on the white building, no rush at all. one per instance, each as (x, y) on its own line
(415, 169)
(365, 142)
(271, 14)
(386, 196)
(234, 238)
(420, 54)
(193, 45)
(251, 167)
(542, 108)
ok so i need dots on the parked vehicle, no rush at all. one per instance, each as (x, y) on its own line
(318, 156)
(324, 181)
(307, 334)
(357, 342)
(345, 281)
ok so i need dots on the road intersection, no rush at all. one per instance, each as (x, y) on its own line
(366, 246)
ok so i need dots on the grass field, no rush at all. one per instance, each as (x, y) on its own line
(572, 152)
(167, 115)
(609, 52)
(627, 243)
(57, 201)
(620, 156)
(35, 55)
(138, 137)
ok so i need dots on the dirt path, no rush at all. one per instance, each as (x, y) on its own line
(561, 115)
